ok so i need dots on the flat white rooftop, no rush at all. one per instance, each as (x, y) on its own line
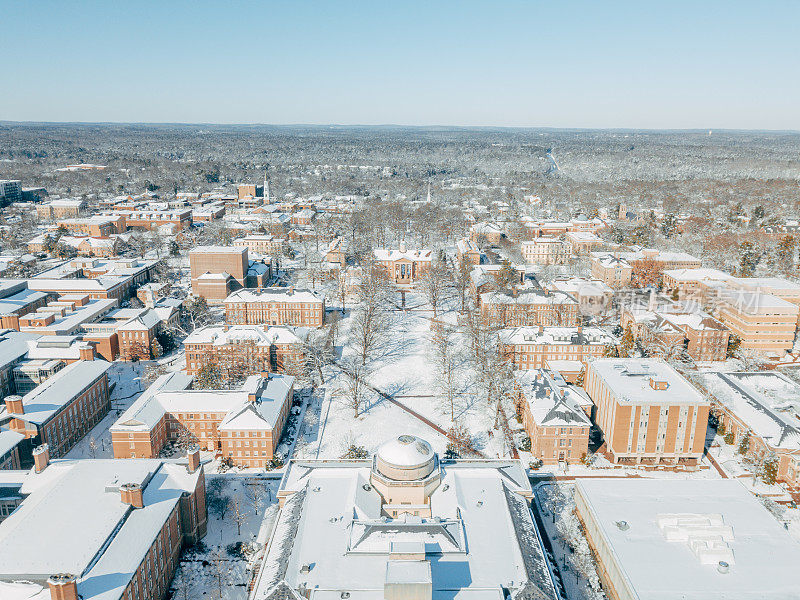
(765, 558)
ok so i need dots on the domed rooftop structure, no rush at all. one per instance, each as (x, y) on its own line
(405, 458)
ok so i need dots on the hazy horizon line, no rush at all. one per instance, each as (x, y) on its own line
(402, 126)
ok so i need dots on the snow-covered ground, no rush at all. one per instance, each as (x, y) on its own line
(404, 368)
(224, 559)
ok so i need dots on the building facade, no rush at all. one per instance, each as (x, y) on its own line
(275, 306)
(554, 415)
(648, 413)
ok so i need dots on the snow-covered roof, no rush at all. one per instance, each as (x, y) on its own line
(217, 250)
(13, 345)
(74, 521)
(629, 380)
(527, 297)
(552, 402)
(422, 255)
(143, 322)
(582, 287)
(556, 336)
(766, 401)
(632, 517)
(11, 304)
(699, 274)
(405, 451)
(235, 334)
(169, 395)
(65, 347)
(8, 440)
(49, 397)
(274, 294)
(756, 302)
(332, 521)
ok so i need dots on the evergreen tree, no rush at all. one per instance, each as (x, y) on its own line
(744, 444)
(627, 341)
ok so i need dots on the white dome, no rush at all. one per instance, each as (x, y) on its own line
(405, 457)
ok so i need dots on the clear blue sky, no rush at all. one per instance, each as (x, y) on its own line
(646, 63)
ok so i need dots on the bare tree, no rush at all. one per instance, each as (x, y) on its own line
(220, 571)
(255, 495)
(184, 586)
(444, 349)
(318, 349)
(461, 279)
(354, 386)
(370, 319)
(238, 514)
(92, 447)
(432, 283)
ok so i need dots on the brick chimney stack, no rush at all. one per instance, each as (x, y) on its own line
(14, 405)
(63, 586)
(87, 352)
(133, 494)
(193, 458)
(41, 457)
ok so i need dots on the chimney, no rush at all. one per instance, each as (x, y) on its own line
(291, 290)
(547, 392)
(541, 329)
(41, 457)
(132, 493)
(14, 405)
(86, 352)
(193, 458)
(63, 586)
(225, 327)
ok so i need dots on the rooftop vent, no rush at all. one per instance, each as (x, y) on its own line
(622, 525)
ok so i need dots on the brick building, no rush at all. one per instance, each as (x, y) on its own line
(763, 322)
(675, 324)
(765, 406)
(61, 209)
(128, 523)
(555, 416)
(648, 413)
(61, 410)
(545, 251)
(9, 456)
(246, 348)
(261, 243)
(533, 347)
(525, 308)
(582, 242)
(404, 266)
(19, 304)
(275, 306)
(216, 271)
(95, 226)
(243, 426)
(178, 220)
(468, 253)
(593, 296)
(617, 268)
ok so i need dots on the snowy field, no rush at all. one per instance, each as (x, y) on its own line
(403, 367)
